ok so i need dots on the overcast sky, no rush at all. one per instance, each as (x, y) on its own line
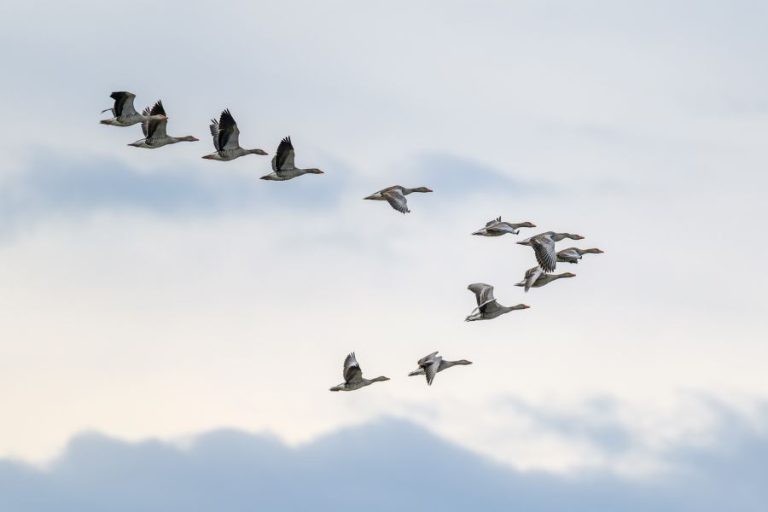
(157, 294)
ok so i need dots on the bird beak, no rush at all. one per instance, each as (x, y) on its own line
(369, 197)
(261, 152)
(208, 157)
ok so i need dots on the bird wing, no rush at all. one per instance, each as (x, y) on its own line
(229, 134)
(123, 103)
(544, 247)
(352, 371)
(283, 159)
(531, 275)
(145, 122)
(483, 292)
(492, 222)
(396, 200)
(426, 359)
(502, 227)
(156, 127)
(214, 126)
(431, 369)
(570, 252)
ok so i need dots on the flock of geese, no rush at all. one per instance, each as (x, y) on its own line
(226, 142)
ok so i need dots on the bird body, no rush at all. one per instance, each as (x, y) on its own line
(226, 140)
(487, 307)
(574, 254)
(283, 168)
(123, 111)
(536, 278)
(154, 126)
(353, 376)
(433, 364)
(395, 196)
(497, 227)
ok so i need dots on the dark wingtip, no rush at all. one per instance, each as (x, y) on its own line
(226, 116)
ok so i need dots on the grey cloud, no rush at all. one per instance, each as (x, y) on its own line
(453, 174)
(385, 465)
(54, 187)
(595, 423)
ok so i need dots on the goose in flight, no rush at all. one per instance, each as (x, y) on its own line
(487, 307)
(282, 164)
(497, 227)
(536, 278)
(544, 247)
(353, 376)
(432, 364)
(226, 139)
(154, 130)
(395, 196)
(123, 111)
(574, 254)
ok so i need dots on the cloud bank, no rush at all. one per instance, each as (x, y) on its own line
(388, 464)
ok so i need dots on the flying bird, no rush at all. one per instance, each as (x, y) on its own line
(154, 129)
(123, 111)
(487, 307)
(574, 254)
(395, 196)
(226, 139)
(353, 376)
(497, 227)
(544, 247)
(536, 278)
(433, 364)
(282, 164)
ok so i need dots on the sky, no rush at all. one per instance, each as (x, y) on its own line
(151, 299)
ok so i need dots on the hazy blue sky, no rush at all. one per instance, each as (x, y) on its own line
(154, 294)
